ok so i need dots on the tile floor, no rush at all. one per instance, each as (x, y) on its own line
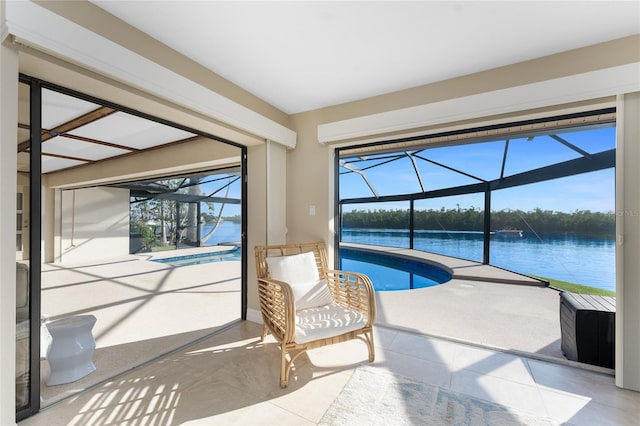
(231, 378)
(143, 309)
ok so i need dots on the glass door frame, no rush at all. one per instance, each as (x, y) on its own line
(35, 218)
(34, 253)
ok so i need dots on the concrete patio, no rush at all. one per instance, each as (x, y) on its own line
(481, 304)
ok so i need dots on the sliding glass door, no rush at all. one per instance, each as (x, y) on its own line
(109, 250)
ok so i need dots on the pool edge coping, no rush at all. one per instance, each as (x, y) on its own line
(489, 272)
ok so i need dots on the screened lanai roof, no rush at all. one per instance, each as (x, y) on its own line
(475, 161)
(212, 186)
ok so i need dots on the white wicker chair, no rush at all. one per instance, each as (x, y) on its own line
(350, 313)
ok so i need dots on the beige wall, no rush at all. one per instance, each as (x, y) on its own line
(94, 224)
(628, 248)
(309, 180)
(256, 218)
(266, 202)
(276, 192)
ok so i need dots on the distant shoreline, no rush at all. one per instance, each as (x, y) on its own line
(582, 222)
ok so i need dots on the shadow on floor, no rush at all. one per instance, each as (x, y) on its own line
(115, 360)
(220, 374)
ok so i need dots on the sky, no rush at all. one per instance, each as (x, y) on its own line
(594, 191)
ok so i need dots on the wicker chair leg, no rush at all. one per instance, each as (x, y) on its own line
(370, 345)
(285, 368)
(265, 331)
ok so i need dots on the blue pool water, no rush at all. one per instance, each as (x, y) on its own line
(197, 259)
(392, 272)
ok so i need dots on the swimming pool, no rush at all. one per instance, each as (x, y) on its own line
(388, 272)
(197, 259)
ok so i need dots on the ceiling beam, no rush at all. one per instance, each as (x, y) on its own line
(99, 142)
(70, 125)
(67, 157)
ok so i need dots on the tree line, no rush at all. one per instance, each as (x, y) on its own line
(584, 222)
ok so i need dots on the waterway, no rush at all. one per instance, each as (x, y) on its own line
(227, 232)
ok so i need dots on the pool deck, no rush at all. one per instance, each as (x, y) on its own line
(460, 269)
(481, 304)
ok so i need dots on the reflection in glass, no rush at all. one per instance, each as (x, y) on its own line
(186, 211)
(23, 354)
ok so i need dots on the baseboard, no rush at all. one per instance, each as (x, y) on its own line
(254, 315)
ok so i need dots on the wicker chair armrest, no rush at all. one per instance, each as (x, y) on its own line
(277, 308)
(353, 290)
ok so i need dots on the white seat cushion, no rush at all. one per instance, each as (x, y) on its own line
(326, 321)
(301, 273)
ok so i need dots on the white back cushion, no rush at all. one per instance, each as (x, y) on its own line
(296, 269)
(301, 273)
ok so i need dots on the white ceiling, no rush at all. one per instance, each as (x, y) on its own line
(300, 55)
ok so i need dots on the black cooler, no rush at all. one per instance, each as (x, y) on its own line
(587, 326)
